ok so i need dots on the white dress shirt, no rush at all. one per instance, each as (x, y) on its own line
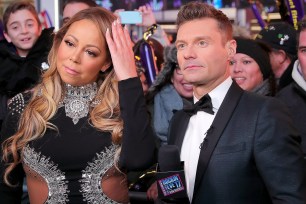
(195, 133)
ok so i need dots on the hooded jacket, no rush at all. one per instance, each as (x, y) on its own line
(18, 74)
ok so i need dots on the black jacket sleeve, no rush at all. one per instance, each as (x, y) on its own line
(11, 195)
(278, 154)
(138, 143)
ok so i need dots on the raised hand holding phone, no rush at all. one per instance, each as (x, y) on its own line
(130, 17)
(120, 46)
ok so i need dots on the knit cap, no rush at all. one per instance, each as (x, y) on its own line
(258, 52)
(280, 36)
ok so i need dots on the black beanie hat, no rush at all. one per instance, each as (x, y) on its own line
(257, 52)
(280, 36)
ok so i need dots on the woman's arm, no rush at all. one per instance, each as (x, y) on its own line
(138, 141)
(11, 195)
(138, 144)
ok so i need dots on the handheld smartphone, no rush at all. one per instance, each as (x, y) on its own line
(130, 17)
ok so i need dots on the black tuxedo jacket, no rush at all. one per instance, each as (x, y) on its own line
(251, 154)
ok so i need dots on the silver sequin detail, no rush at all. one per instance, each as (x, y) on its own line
(45, 66)
(92, 176)
(55, 178)
(77, 100)
(16, 104)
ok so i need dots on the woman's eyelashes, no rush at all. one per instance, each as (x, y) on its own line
(90, 52)
(69, 43)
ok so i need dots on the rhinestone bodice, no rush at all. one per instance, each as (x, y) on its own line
(67, 164)
(71, 161)
(78, 99)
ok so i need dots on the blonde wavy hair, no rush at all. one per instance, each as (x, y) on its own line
(34, 120)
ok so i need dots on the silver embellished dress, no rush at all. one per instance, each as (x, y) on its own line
(73, 160)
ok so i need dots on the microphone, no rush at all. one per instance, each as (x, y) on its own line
(138, 197)
(171, 182)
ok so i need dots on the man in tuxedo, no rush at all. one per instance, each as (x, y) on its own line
(242, 148)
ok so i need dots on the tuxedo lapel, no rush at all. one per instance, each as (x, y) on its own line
(178, 127)
(221, 120)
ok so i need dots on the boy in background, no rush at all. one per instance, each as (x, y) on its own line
(23, 52)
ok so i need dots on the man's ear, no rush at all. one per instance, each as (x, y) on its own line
(231, 46)
(7, 37)
(282, 56)
(106, 66)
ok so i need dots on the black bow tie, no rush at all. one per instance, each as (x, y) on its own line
(204, 104)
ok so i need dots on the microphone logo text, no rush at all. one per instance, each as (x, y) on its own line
(171, 184)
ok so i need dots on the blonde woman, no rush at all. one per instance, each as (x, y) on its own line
(85, 125)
